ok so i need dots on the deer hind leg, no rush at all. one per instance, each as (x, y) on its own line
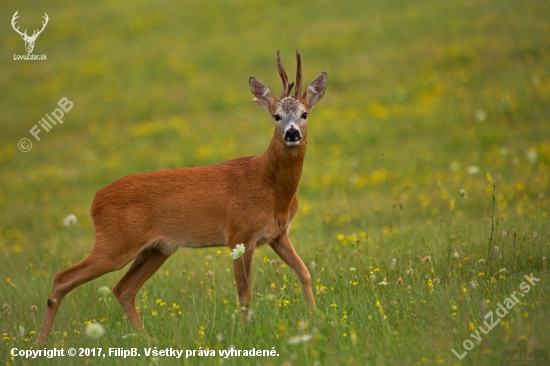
(144, 266)
(284, 249)
(102, 259)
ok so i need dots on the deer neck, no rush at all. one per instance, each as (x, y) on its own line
(281, 166)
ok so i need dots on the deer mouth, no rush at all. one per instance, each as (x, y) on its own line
(293, 137)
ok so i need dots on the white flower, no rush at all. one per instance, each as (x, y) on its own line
(219, 337)
(495, 252)
(313, 265)
(481, 115)
(21, 332)
(238, 251)
(95, 330)
(384, 283)
(103, 291)
(393, 262)
(300, 339)
(352, 269)
(473, 283)
(373, 278)
(473, 170)
(534, 235)
(531, 155)
(462, 193)
(70, 220)
(455, 255)
(504, 233)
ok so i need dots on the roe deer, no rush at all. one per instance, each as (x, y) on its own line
(251, 200)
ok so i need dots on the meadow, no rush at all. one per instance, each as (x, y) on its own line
(424, 199)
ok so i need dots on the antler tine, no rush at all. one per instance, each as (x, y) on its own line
(46, 18)
(13, 20)
(298, 76)
(286, 86)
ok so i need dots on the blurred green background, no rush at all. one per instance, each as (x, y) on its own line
(424, 98)
(415, 89)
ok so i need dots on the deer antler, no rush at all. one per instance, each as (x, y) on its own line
(286, 86)
(298, 76)
(13, 20)
(43, 26)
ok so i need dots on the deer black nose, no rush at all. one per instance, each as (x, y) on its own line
(292, 135)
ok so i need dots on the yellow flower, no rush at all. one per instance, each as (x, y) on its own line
(333, 305)
(154, 313)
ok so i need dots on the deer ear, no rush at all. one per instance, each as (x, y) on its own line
(264, 96)
(315, 90)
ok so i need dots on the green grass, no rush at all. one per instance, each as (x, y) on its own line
(165, 84)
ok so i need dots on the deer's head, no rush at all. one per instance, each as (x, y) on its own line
(29, 40)
(290, 113)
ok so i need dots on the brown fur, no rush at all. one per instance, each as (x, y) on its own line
(145, 217)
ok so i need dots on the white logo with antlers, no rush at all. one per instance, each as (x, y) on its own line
(29, 40)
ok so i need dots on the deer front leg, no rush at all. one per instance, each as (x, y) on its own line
(283, 247)
(242, 268)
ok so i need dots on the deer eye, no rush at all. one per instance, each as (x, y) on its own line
(304, 115)
(277, 118)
